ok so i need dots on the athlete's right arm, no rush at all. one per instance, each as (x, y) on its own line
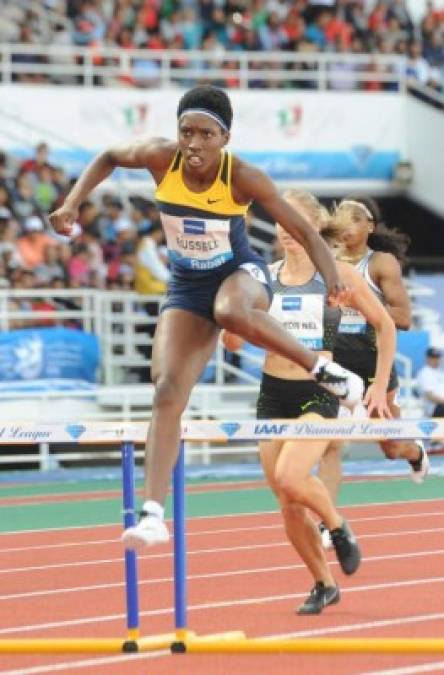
(154, 154)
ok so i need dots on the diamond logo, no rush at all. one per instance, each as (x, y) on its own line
(362, 154)
(230, 428)
(427, 427)
(75, 430)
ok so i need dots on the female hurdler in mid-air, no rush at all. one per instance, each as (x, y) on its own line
(217, 281)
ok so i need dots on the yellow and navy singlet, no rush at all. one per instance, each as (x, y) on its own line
(303, 310)
(205, 231)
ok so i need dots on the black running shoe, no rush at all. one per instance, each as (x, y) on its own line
(347, 550)
(320, 596)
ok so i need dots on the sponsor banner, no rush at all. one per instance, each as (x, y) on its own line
(35, 354)
(289, 134)
(202, 430)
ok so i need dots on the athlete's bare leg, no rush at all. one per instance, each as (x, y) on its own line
(241, 307)
(393, 449)
(183, 344)
(330, 469)
(299, 526)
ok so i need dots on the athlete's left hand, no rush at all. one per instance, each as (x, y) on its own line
(375, 401)
(338, 294)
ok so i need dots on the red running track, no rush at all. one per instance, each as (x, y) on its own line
(242, 576)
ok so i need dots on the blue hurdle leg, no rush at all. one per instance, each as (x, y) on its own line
(180, 563)
(129, 519)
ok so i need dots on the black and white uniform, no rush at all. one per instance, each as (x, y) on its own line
(355, 346)
(304, 312)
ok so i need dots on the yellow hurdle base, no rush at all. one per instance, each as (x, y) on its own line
(207, 645)
(132, 644)
(230, 642)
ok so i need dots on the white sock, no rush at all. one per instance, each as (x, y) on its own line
(318, 365)
(153, 509)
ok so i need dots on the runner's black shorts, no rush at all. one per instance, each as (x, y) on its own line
(364, 365)
(290, 399)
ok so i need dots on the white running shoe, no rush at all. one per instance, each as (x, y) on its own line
(149, 530)
(345, 384)
(421, 467)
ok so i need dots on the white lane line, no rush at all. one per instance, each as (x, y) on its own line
(216, 605)
(216, 531)
(410, 670)
(211, 575)
(226, 515)
(71, 665)
(204, 551)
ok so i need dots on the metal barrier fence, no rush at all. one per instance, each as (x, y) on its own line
(103, 65)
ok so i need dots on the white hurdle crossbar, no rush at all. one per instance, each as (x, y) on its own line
(350, 428)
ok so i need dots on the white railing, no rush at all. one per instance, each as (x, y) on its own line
(101, 65)
(123, 322)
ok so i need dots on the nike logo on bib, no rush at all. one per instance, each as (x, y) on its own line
(213, 201)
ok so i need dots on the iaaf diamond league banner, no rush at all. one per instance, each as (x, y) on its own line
(290, 135)
(202, 430)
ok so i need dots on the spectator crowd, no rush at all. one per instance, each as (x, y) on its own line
(121, 246)
(226, 26)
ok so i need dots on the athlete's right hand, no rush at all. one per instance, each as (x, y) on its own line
(375, 401)
(62, 220)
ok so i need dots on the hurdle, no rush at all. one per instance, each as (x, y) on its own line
(181, 639)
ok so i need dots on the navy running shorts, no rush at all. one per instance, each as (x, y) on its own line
(198, 295)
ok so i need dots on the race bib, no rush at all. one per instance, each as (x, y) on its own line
(302, 316)
(197, 243)
(352, 321)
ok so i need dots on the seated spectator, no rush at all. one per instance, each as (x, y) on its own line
(40, 159)
(79, 267)
(113, 219)
(315, 31)
(430, 382)
(123, 262)
(51, 267)
(151, 272)
(45, 192)
(32, 244)
(23, 197)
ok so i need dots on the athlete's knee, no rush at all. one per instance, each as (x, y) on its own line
(291, 488)
(232, 316)
(168, 394)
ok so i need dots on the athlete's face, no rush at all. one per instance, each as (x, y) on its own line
(353, 225)
(200, 141)
(286, 241)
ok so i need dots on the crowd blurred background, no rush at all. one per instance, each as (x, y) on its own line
(226, 26)
(122, 242)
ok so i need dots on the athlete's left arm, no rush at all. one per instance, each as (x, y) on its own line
(249, 183)
(365, 301)
(385, 270)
